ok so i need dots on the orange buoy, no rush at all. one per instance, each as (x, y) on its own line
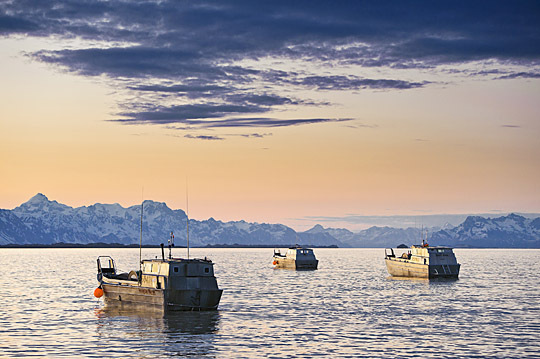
(274, 262)
(98, 292)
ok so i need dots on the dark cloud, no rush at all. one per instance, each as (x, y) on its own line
(10, 24)
(190, 55)
(133, 62)
(191, 120)
(205, 137)
(255, 135)
(511, 126)
(355, 83)
(339, 83)
(517, 75)
(211, 137)
(394, 30)
(263, 100)
(265, 122)
(187, 88)
(186, 114)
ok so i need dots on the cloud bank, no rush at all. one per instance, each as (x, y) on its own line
(206, 64)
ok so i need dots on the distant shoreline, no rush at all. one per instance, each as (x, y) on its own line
(119, 245)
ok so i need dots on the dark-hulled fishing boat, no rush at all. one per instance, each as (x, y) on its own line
(169, 284)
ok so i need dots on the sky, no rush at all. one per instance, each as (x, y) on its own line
(286, 112)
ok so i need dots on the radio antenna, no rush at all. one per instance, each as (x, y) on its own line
(187, 218)
(140, 241)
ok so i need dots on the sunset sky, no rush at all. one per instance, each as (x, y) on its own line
(277, 111)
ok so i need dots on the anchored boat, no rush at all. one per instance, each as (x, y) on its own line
(296, 258)
(169, 284)
(423, 261)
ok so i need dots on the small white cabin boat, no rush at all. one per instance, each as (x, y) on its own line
(423, 261)
(296, 258)
(172, 284)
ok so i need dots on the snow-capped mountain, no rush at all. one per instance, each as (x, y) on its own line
(42, 221)
(506, 231)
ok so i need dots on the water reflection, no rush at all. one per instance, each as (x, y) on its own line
(426, 281)
(165, 334)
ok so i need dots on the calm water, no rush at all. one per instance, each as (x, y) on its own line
(349, 308)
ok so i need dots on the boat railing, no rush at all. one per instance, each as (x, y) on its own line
(109, 270)
(278, 253)
(391, 255)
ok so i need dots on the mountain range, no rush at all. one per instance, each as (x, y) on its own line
(42, 221)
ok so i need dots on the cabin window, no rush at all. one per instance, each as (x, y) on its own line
(206, 270)
(176, 269)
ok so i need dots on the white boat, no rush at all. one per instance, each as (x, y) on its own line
(423, 261)
(296, 258)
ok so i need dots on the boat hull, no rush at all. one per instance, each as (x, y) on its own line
(161, 299)
(288, 263)
(398, 268)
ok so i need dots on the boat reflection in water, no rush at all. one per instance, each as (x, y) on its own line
(154, 334)
(424, 281)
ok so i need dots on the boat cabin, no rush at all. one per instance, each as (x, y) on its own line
(176, 273)
(299, 253)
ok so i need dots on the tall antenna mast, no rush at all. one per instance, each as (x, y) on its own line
(140, 241)
(171, 244)
(187, 218)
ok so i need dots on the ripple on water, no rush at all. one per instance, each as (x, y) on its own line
(349, 308)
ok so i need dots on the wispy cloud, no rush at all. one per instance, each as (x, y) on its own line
(252, 135)
(356, 83)
(204, 137)
(190, 115)
(517, 75)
